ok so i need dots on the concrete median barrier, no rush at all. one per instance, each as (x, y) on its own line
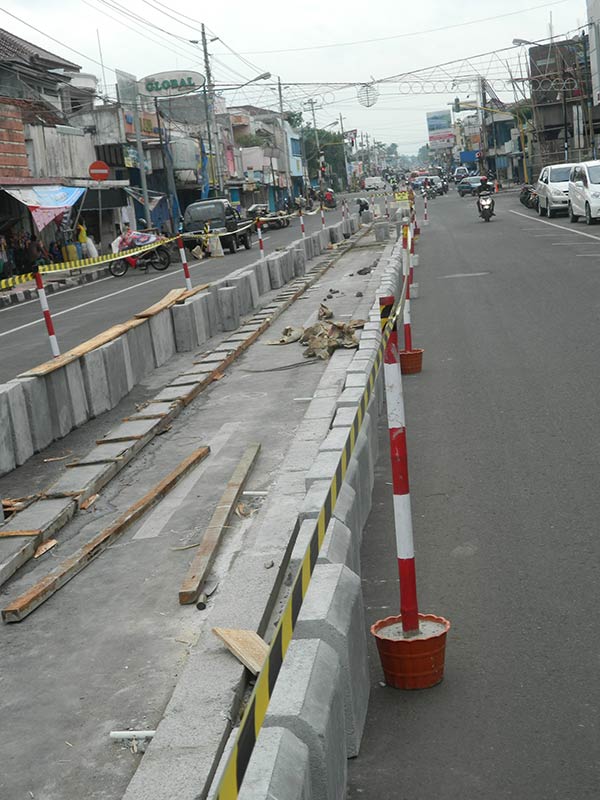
(308, 701)
(299, 261)
(18, 421)
(163, 337)
(279, 768)
(118, 369)
(77, 395)
(229, 307)
(275, 271)
(38, 412)
(242, 283)
(333, 612)
(95, 382)
(141, 355)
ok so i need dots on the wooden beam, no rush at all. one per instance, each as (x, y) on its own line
(33, 532)
(246, 646)
(168, 300)
(191, 292)
(207, 549)
(20, 608)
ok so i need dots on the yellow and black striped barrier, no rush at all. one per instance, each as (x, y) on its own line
(256, 709)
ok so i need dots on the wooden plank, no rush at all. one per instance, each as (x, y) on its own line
(207, 549)
(191, 292)
(7, 534)
(168, 300)
(246, 646)
(20, 608)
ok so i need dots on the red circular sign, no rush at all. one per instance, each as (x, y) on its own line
(98, 171)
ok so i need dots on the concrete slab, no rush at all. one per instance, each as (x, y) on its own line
(229, 308)
(59, 403)
(275, 267)
(111, 451)
(79, 403)
(38, 412)
(48, 516)
(333, 612)
(171, 393)
(141, 352)
(135, 429)
(7, 450)
(184, 326)
(336, 439)
(14, 552)
(82, 482)
(118, 369)
(350, 397)
(323, 467)
(19, 421)
(308, 701)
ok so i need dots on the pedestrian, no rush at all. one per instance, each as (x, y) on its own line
(82, 237)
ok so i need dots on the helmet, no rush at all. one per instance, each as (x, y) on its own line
(483, 178)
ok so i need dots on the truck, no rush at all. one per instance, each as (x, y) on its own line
(222, 218)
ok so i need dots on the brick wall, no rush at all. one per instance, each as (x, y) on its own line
(13, 154)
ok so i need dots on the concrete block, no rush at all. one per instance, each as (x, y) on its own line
(314, 501)
(382, 231)
(339, 546)
(278, 768)
(299, 261)
(275, 271)
(346, 510)
(344, 417)
(132, 429)
(95, 382)
(118, 369)
(323, 467)
(59, 402)
(355, 481)
(316, 244)
(14, 552)
(356, 379)
(308, 701)
(333, 612)
(350, 397)
(242, 284)
(7, 451)
(287, 265)
(366, 217)
(262, 276)
(209, 304)
(82, 482)
(354, 223)
(79, 404)
(325, 240)
(163, 336)
(254, 291)
(184, 326)
(141, 353)
(22, 441)
(111, 451)
(229, 307)
(335, 234)
(336, 439)
(38, 412)
(321, 408)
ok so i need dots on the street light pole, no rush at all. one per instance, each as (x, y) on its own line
(344, 152)
(286, 146)
(208, 96)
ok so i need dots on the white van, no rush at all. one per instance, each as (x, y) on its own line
(374, 182)
(553, 189)
(584, 192)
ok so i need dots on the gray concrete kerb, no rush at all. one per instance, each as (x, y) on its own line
(333, 612)
(279, 768)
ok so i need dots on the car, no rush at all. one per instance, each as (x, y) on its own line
(222, 218)
(468, 185)
(553, 189)
(374, 182)
(437, 183)
(584, 192)
(459, 174)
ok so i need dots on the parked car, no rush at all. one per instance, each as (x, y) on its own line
(468, 185)
(374, 182)
(553, 189)
(222, 218)
(584, 192)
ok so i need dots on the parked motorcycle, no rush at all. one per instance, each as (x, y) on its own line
(528, 196)
(486, 207)
(272, 220)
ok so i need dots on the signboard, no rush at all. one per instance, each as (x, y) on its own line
(401, 197)
(439, 127)
(170, 84)
(98, 171)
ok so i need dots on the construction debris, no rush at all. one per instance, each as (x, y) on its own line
(289, 335)
(325, 312)
(246, 646)
(43, 548)
(323, 338)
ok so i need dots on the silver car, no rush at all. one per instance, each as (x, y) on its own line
(553, 189)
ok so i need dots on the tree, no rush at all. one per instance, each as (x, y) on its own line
(294, 118)
(392, 150)
(331, 144)
(423, 154)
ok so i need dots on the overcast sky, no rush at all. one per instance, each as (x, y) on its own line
(295, 41)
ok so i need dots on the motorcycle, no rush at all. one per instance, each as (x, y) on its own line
(486, 207)
(271, 220)
(158, 258)
(528, 196)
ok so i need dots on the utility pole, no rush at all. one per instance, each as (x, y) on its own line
(311, 103)
(368, 152)
(286, 144)
(209, 100)
(140, 152)
(564, 104)
(344, 152)
(168, 168)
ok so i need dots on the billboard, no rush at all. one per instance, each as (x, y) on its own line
(439, 128)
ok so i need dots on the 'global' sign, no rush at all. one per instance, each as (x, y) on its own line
(165, 84)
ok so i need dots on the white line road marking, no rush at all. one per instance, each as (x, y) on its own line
(572, 244)
(462, 275)
(588, 255)
(560, 227)
(90, 302)
(64, 291)
(163, 512)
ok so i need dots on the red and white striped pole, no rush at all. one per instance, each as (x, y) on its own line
(409, 608)
(387, 211)
(406, 276)
(302, 228)
(261, 244)
(425, 214)
(46, 312)
(322, 217)
(184, 264)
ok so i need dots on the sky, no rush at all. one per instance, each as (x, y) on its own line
(312, 42)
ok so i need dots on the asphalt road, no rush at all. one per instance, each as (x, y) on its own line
(85, 311)
(504, 464)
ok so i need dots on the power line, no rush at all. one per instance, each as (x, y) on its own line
(405, 35)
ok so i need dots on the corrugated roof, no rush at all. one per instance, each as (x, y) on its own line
(13, 48)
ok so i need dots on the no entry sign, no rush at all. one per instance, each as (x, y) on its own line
(98, 171)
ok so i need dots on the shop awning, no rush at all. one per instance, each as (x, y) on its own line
(45, 203)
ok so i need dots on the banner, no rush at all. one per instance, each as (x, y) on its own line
(154, 198)
(46, 203)
(439, 127)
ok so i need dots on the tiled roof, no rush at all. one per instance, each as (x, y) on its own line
(13, 48)
(35, 111)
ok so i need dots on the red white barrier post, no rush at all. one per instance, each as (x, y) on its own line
(47, 317)
(261, 244)
(402, 511)
(322, 217)
(387, 211)
(184, 264)
(302, 228)
(425, 213)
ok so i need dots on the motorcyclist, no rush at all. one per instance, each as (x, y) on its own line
(483, 188)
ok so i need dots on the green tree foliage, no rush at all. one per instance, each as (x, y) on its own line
(332, 146)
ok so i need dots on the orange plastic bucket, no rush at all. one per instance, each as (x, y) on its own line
(411, 361)
(415, 663)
